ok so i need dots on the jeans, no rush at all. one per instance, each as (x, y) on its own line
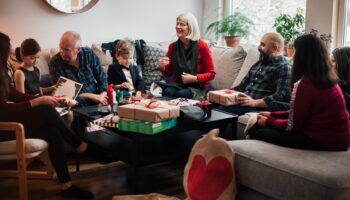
(174, 92)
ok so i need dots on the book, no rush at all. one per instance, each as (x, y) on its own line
(66, 88)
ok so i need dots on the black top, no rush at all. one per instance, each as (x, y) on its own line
(115, 75)
(32, 81)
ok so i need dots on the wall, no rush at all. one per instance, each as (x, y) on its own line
(322, 15)
(151, 20)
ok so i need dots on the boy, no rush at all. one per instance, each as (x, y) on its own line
(124, 74)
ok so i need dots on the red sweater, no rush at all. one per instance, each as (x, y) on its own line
(319, 113)
(206, 69)
(21, 104)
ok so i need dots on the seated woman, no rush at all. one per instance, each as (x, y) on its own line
(42, 121)
(318, 118)
(189, 61)
(340, 59)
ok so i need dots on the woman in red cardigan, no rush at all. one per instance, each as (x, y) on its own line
(189, 62)
(318, 118)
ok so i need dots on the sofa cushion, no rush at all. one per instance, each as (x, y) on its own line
(285, 173)
(105, 58)
(33, 147)
(150, 69)
(251, 58)
(228, 62)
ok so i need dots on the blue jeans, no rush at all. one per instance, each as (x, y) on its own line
(174, 92)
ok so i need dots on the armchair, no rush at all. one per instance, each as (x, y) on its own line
(24, 151)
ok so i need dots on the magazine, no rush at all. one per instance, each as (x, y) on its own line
(66, 88)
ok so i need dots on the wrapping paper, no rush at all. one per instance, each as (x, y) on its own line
(223, 97)
(151, 111)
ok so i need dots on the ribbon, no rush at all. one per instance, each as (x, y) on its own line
(229, 91)
(205, 104)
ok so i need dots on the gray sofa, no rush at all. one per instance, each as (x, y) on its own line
(265, 171)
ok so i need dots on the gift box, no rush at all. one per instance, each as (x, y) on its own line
(149, 128)
(223, 97)
(152, 111)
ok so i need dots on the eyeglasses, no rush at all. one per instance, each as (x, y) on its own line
(67, 50)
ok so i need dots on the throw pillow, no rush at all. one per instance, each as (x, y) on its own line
(150, 69)
(228, 63)
(209, 172)
(105, 58)
(251, 58)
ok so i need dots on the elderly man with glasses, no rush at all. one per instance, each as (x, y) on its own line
(80, 64)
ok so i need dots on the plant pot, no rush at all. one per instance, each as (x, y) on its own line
(232, 41)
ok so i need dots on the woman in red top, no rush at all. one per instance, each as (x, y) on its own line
(318, 118)
(189, 61)
(40, 120)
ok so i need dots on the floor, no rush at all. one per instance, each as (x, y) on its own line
(106, 180)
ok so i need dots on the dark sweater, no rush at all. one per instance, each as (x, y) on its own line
(319, 113)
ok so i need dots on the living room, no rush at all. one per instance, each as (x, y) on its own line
(154, 22)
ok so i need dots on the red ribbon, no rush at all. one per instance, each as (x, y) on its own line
(205, 104)
(229, 91)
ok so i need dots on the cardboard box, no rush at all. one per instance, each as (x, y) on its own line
(160, 112)
(223, 97)
(149, 128)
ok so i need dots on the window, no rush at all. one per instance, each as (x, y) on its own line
(347, 24)
(263, 14)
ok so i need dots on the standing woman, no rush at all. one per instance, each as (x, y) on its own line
(310, 123)
(189, 62)
(40, 120)
(340, 59)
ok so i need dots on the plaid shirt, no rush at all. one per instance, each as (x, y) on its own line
(90, 72)
(268, 81)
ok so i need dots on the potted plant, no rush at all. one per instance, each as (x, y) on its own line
(290, 27)
(232, 28)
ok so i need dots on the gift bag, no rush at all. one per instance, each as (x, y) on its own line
(152, 196)
(209, 172)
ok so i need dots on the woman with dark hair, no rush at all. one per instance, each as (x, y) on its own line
(318, 118)
(340, 59)
(40, 120)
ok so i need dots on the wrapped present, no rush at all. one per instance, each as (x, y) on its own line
(110, 120)
(223, 97)
(149, 110)
(149, 128)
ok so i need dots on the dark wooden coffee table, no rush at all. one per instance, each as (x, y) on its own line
(113, 140)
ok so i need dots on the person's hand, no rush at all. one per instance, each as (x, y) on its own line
(188, 78)
(262, 120)
(266, 114)
(44, 100)
(102, 98)
(245, 100)
(52, 88)
(124, 85)
(163, 61)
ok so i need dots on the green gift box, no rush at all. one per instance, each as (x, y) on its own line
(149, 128)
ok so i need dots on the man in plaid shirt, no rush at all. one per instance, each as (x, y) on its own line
(81, 65)
(266, 86)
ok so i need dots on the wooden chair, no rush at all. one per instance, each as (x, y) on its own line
(24, 151)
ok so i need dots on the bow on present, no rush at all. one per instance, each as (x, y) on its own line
(229, 91)
(151, 104)
(205, 104)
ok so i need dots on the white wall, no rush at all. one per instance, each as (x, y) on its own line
(151, 20)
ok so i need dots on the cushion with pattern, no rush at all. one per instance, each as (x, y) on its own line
(150, 69)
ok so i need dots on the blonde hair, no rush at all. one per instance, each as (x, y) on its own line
(191, 21)
(124, 48)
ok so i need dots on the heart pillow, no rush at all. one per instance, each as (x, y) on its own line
(209, 173)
